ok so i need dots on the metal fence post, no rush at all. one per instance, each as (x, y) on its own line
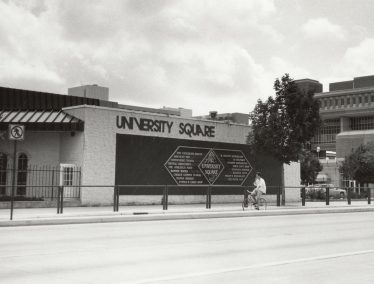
(167, 197)
(369, 195)
(62, 200)
(327, 196)
(303, 196)
(117, 192)
(115, 199)
(53, 181)
(349, 196)
(209, 197)
(13, 179)
(58, 200)
(278, 197)
(245, 193)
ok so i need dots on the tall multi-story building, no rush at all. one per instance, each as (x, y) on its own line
(347, 111)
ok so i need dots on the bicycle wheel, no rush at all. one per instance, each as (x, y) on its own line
(262, 203)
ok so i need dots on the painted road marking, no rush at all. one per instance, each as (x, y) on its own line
(255, 266)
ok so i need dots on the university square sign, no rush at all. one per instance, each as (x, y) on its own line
(211, 167)
(196, 166)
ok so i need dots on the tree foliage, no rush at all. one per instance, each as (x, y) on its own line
(310, 167)
(282, 125)
(359, 165)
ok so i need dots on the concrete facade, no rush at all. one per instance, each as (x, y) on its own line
(347, 111)
(98, 145)
(42, 148)
(93, 147)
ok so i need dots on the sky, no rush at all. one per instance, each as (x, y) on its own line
(204, 55)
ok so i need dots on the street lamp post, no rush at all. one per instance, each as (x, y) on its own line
(318, 149)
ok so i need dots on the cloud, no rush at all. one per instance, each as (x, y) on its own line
(193, 54)
(281, 66)
(322, 28)
(357, 61)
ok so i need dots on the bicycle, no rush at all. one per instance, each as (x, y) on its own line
(248, 202)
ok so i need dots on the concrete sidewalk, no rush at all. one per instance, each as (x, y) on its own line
(80, 215)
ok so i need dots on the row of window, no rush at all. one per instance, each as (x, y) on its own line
(331, 127)
(361, 123)
(22, 162)
(347, 100)
(328, 131)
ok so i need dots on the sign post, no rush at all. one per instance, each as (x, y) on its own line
(16, 133)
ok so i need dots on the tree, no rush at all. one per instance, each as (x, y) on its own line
(310, 167)
(359, 165)
(283, 125)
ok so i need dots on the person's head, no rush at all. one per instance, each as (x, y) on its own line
(258, 174)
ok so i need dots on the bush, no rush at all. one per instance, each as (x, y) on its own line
(315, 193)
(356, 195)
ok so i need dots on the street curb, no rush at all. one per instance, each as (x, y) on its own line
(177, 216)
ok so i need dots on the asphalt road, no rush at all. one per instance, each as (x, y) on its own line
(328, 248)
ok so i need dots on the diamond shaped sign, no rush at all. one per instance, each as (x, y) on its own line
(211, 167)
(236, 167)
(182, 165)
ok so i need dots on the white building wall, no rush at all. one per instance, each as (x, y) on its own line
(71, 150)
(41, 148)
(292, 181)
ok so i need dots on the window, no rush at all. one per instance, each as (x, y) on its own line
(348, 101)
(67, 173)
(342, 101)
(366, 99)
(354, 100)
(361, 123)
(327, 132)
(360, 100)
(68, 176)
(336, 102)
(372, 98)
(3, 173)
(22, 174)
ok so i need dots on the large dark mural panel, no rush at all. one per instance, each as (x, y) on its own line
(186, 165)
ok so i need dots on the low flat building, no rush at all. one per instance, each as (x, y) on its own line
(89, 145)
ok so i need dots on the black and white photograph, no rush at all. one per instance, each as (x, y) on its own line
(186, 141)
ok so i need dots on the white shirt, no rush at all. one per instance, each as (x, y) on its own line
(260, 184)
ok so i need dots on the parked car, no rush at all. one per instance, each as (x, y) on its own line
(333, 190)
(319, 191)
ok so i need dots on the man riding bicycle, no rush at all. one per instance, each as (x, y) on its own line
(260, 188)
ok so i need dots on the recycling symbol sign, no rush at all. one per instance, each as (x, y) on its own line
(195, 165)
